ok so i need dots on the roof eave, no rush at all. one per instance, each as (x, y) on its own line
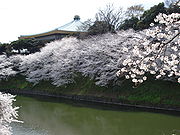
(49, 33)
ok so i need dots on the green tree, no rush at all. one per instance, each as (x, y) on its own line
(135, 11)
(31, 45)
(99, 27)
(149, 15)
(129, 23)
(4, 48)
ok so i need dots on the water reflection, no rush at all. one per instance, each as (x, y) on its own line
(48, 118)
(23, 129)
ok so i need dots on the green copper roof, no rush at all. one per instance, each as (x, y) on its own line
(72, 26)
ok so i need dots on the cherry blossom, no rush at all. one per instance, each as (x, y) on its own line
(104, 58)
(158, 53)
(6, 67)
(8, 113)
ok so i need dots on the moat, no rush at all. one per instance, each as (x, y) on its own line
(43, 117)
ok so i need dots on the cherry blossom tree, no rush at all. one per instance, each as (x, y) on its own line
(131, 54)
(158, 54)
(96, 57)
(6, 66)
(8, 113)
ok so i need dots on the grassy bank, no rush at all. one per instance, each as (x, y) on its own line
(151, 92)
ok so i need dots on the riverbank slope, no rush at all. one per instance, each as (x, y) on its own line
(152, 93)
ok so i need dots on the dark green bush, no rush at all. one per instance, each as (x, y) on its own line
(31, 45)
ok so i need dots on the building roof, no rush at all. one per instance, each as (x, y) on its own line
(72, 27)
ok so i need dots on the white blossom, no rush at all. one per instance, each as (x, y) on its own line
(159, 52)
(8, 113)
(103, 58)
(6, 66)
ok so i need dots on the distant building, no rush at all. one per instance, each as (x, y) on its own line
(69, 29)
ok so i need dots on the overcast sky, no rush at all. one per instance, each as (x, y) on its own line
(23, 17)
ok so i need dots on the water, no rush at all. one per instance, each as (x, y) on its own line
(52, 118)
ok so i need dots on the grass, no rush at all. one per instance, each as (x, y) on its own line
(156, 92)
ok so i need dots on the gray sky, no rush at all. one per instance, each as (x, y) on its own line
(24, 17)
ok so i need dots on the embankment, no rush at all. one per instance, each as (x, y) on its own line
(153, 95)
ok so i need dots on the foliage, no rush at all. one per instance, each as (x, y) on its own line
(150, 92)
(99, 27)
(4, 48)
(129, 23)
(25, 46)
(135, 11)
(149, 15)
(22, 46)
(111, 20)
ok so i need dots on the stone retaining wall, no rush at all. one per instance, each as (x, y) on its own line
(110, 102)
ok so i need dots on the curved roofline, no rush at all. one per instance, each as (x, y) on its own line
(64, 25)
(49, 33)
(64, 29)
